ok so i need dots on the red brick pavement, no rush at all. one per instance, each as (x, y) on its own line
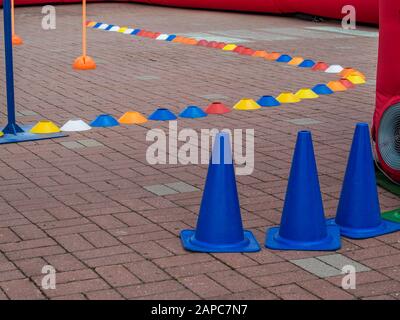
(85, 211)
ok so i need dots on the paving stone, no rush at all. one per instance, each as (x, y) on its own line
(303, 121)
(160, 189)
(339, 261)
(181, 186)
(72, 145)
(317, 267)
(147, 77)
(90, 143)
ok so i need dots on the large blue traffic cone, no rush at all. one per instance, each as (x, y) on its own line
(303, 225)
(219, 225)
(358, 214)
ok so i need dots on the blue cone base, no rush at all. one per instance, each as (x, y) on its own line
(331, 242)
(27, 136)
(190, 243)
(357, 233)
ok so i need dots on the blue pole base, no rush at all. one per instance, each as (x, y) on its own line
(363, 233)
(190, 243)
(331, 242)
(12, 128)
(25, 135)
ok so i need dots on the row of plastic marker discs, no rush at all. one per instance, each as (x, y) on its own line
(348, 76)
(273, 56)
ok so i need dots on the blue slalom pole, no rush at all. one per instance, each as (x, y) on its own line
(12, 127)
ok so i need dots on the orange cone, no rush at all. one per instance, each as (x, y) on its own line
(346, 71)
(336, 86)
(260, 53)
(295, 61)
(84, 63)
(178, 39)
(132, 117)
(16, 40)
(272, 56)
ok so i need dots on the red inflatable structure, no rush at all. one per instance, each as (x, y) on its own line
(386, 122)
(367, 10)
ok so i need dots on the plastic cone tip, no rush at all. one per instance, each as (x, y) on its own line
(320, 66)
(239, 49)
(104, 120)
(90, 24)
(132, 117)
(212, 44)
(288, 97)
(284, 58)
(103, 26)
(322, 89)
(202, 43)
(334, 68)
(336, 86)
(162, 37)
(162, 114)
(357, 73)
(229, 47)
(347, 83)
(75, 125)
(306, 93)
(217, 108)
(355, 79)
(307, 64)
(45, 127)
(192, 112)
(295, 61)
(346, 71)
(272, 56)
(84, 63)
(358, 214)
(114, 29)
(219, 225)
(303, 225)
(171, 37)
(247, 52)
(128, 31)
(260, 54)
(246, 104)
(268, 101)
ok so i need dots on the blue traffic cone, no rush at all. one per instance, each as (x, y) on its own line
(219, 225)
(284, 58)
(104, 120)
(358, 214)
(322, 89)
(303, 225)
(162, 114)
(268, 101)
(192, 112)
(307, 64)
